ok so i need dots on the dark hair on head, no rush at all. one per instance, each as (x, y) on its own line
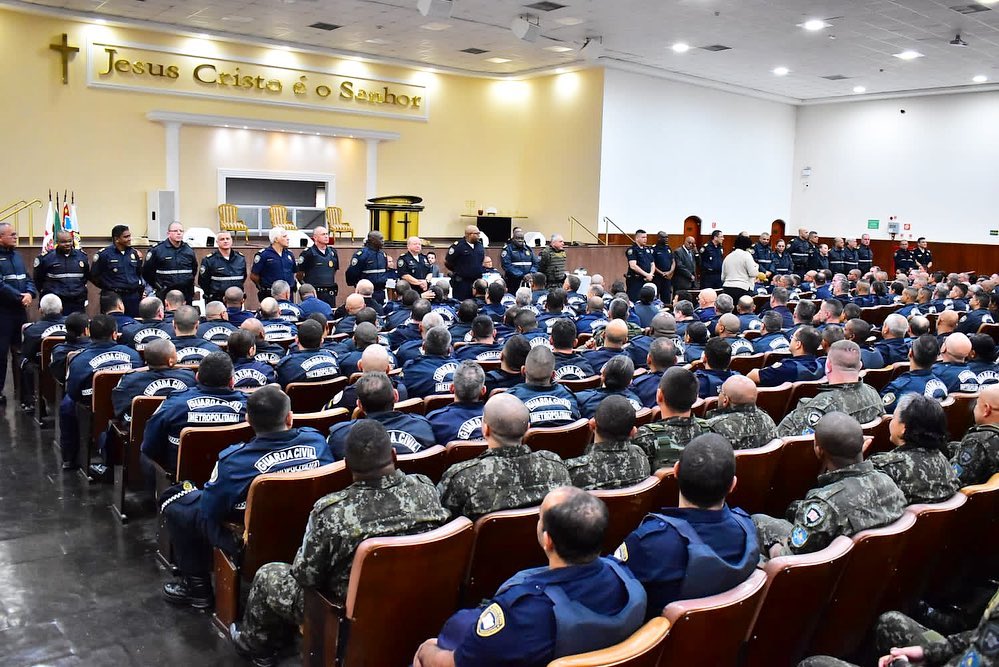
(663, 352)
(267, 408)
(402, 288)
(780, 295)
(563, 334)
(539, 281)
(76, 326)
(515, 351)
(852, 311)
(102, 327)
(438, 293)
(495, 292)
(526, 321)
(640, 231)
(467, 310)
(743, 242)
(410, 297)
(510, 316)
(810, 339)
(707, 467)
(683, 295)
(984, 347)
(618, 372)
(715, 234)
(834, 307)
(618, 310)
(576, 526)
(925, 351)
(421, 308)
(215, 370)
(437, 342)
(375, 392)
(918, 325)
(318, 318)
(718, 354)
(366, 314)
(684, 307)
(149, 307)
(772, 321)
(647, 294)
(482, 327)
(805, 311)
(679, 387)
(367, 447)
(557, 298)
(925, 423)
(118, 230)
(574, 282)
(110, 301)
(833, 333)
(615, 417)
(239, 345)
(310, 335)
(840, 436)
(697, 332)
(983, 299)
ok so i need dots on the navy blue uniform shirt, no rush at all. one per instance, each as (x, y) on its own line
(590, 399)
(429, 374)
(192, 349)
(409, 433)
(548, 405)
(151, 382)
(168, 267)
(458, 421)
(319, 268)
(63, 275)
(270, 266)
(914, 382)
(100, 356)
(217, 274)
(307, 366)
(368, 264)
(118, 271)
(792, 369)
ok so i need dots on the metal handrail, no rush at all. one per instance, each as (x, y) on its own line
(3, 213)
(573, 222)
(14, 209)
(608, 221)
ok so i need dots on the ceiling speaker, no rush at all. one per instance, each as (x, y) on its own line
(525, 30)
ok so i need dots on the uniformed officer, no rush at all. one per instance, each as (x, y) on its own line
(837, 258)
(737, 417)
(273, 263)
(548, 404)
(580, 602)
(222, 269)
(432, 371)
(551, 262)
(801, 366)
(611, 461)
(782, 263)
(197, 518)
(953, 368)
(662, 441)
(413, 266)
(159, 379)
(763, 254)
(978, 314)
(288, 309)
(172, 265)
(464, 259)
(850, 260)
(712, 256)
(382, 501)
(518, 260)
(370, 263)
(865, 255)
(17, 291)
(191, 348)
(800, 250)
(920, 379)
(276, 327)
(922, 255)
(248, 372)
(976, 457)
(118, 268)
(311, 363)
(662, 259)
(462, 420)
(64, 272)
(640, 263)
(851, 496)
(615, 376)
(903, 258)
(216, 327)
(149, 327)
(50, 323)
(318, 264)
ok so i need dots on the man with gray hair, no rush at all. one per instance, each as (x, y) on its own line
(281, 291)
(552, 260)
(412, 349)
(275, 262)
(50, 323)
(413, 266)
(549, 405)
(462, 420)
(317, 266)
(893, 346)
(216, 328)
(433, 371)
(275, 326)
(508, 474)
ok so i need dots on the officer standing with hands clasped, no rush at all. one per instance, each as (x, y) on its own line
(663, 258)
(370, 263)
(64, 272)
(413, 266)
(222, 269)
(712, 256)
(640, 262)
(273, 263)
(172, 265)
(317, 266)
(118, 268)
(17, 291)
(464, 258)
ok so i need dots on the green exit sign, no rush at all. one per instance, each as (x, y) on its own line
(994, 232)
(873, 224)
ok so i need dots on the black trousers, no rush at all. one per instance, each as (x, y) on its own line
(11, 321)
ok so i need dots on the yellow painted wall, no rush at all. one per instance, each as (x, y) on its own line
(528, 146)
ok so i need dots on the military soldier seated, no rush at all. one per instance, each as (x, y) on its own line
(150, 326)
(381, 502)
(549, 405)
(191, 349)
(702, 547)
(737, 417)
(851, 496)
(483, 345)
(599, 601)
(615, 377)
(844, 393)
(953, 368)
(803, 365)
(920, 379)
(663, 441)
(275, 326)
(216, 328)
(248, 373)
(976, 457)
(159, 379)
(462, 420)
(196, 518)
(717, 357)
(432, 372)
(512, 360)
(611, 461)
(311, 363)
(377, 397)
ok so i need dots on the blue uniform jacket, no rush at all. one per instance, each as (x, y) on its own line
(709, 381)
(270, 266)
(458, 421)
(517, 262)
(57, 365)
(307, 366)
(32, 335)
(914, 382)
(63, 275)
(14, 281)
(792, 369)
(590, 321)
(572, 366)
(957, 377)
(417, 267)
(590, 399)
(319, 268)
(782, 264)
(549, 405)
(167, 267)
(237, 315)
(152, 382)
(750, 322)
(140, 334)
(892, 350)
(279, 328)
(404, 334)
(645, 387)
(641, 255)
(479, 351)
(217, 274)
(289, 311)
(313, 304)
(500, 379)
(216, 331)
(429, 374)
(248, 373)
(111, 269)
(367, 263)
(970, 323)
(764, 256)
(192, 349)
(409, 433)
(712, 257)
(871, 358)
(600, 356)
(465, 260)
(101, 356)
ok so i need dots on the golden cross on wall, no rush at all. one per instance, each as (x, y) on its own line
(65, 50)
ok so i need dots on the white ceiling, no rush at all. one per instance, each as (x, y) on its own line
(762, 34)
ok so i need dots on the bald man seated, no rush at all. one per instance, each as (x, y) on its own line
(265, 350)
(275, 326)
(351, 307)
(953, 368)
(374, 358)
(947, 324)
(549, 404)
(737, 417)
(615, 338)
(976, 457)
(705, 310)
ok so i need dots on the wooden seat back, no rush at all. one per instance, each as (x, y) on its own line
(705, 405)
(856, 599)
(200, 447)
(877, 377)
(779, 637)
(642, 649)
(644, 416)
(960, 414)
(773, 356)
(797, 469)
(457, 451)
(990, 329)
(100, 401)
(436, 402)
(979, 518)
(626, 508)
(567, 441)
(489, 364)
(755, 469)
(711, 630)
(46, 383)
(669, 490)
(313, 396)
(773, 400)
(321, 421)
(804, 389)
(898, 368)
(430, 462)
(582, 384)
(752, 334)
(413, 406)
(746, 362)
(506, 542)
(880, 437)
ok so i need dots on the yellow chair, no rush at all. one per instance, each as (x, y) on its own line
(229, 222)
(279, 217)
(335, 223)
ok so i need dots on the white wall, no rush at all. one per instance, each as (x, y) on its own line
(936, 167)
(672, 149)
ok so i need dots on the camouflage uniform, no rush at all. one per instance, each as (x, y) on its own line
(396, 504)
(824, 661)
(845, 502)
(663, 441)
(501, 478)
(923, 475)
(856, 399)
(745, 426)
(976, 457)
(633, 331)
(609, 465)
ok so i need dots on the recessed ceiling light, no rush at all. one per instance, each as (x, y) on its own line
(497, 60)
(237, 19)
(377, 40)
(568, 20)
(980, 78)
(859, 89)
(815, 24)
(557, 49)
(436, 27)
(781, 71)
(681, 47)
(908, 54)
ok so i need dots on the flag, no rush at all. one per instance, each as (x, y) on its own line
(73, 225)
(51, 219)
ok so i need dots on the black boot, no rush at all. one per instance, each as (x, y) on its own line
(259, 658)
(189, 591)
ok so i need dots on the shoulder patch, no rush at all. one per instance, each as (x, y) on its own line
(813, 417)
(256, 258)
(621, 553)
(888, 398)
(353, 262)
(798, 536)
(813, 516)
(38, 260)
(491, 621)
(97, 256)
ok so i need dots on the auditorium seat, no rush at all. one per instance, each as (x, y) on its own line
(744, 363)
(898, 368)
(412, 406)
(761, 301)
(626, 507)
(804, 389)
(797, 590)
(200, 447)
(419, 574)
(772, 357)
(490, 365)
(45, 384)
(712, 630)
(582, 339)
(755, 469)
(960, 414)
(436, 402)
(95, 421)
(278, 505)
(853, 608)
(932, 317)
(880, 437)
(283, 342)
(575, 386)
(705, 405)
(313, 396)
(641, 649)
(982, 512)
(877, 377)
(990, 329)
(128, 445)
(457, 451)
(567, 441)
(773, 400)
(430, 462)
(796, 472)
(644, 416)
(752, 334)
(506, 542)
(321, 421)
(669, 490)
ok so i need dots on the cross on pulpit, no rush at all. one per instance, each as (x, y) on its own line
(65, 50)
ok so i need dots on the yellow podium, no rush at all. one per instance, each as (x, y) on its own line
(396, 217)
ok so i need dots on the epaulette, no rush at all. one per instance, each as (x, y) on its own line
(231, 449)
(329, 500)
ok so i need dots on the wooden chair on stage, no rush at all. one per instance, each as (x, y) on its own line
(229, 221)
(335, 223)
(279, 217)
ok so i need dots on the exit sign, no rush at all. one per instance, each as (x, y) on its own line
(873, 224)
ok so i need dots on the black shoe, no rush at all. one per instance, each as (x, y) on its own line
(27, 407)
(70, 465)
(189, 591)
(258, 658)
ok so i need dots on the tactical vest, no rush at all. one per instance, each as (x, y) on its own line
(707, 573)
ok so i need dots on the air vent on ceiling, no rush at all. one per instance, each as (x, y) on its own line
(836, 77)
(545, 6)
(715, 47)
(474, 51)
(973, 8)
(324, 26)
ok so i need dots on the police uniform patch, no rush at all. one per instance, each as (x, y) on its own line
(491, 621)
(81, 265)
(798, 536)
(814, 417)
(888, 398)
(202, 269)
(353, 262)
(990, 640)
(964, 458)
(622, 553)
(813, 516)
(215, 474)
(450, 250)
(970, 659)
(97, 256)
(38, 260)
(256, 258)
(301, 259)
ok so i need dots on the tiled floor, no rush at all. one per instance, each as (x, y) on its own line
(77, 588)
